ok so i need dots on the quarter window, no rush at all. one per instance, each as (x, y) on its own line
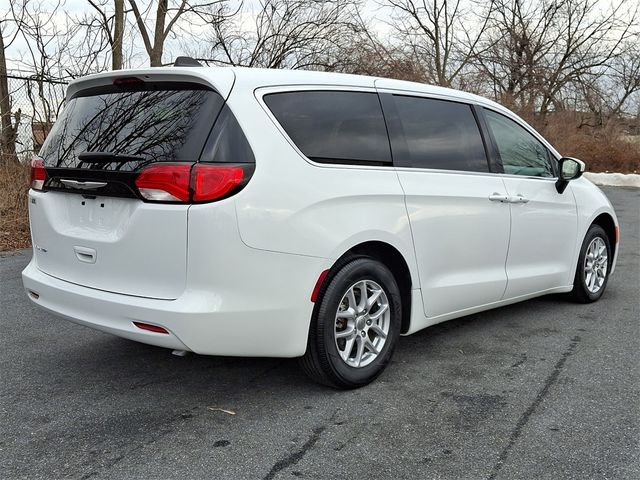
(227, 142)
(521, 153)
(439, 134)
(334, 126)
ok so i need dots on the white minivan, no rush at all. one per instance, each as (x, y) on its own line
(247, 212)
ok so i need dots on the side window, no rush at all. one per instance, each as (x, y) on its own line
(521, 153)
(334, 126)
(439, 134)
(227, 143)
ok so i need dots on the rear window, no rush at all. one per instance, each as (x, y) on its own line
(334, 126)
(155, 122)
(439, 134)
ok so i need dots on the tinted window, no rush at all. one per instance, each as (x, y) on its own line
(328, 126)
(521, 153)
(154, 122)
(227, 142)
(439, 134)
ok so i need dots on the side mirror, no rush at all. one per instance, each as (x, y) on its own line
(568, 169)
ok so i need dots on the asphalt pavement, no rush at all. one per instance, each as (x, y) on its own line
(544, 389)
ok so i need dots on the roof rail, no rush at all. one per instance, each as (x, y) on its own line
(186, 62)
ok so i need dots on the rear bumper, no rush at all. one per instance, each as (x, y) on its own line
(198, 321)
(103, 311)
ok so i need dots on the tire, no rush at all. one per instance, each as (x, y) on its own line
(587, 289)
(342, 362)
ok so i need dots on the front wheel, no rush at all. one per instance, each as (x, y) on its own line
(355, 326)
(594, 265)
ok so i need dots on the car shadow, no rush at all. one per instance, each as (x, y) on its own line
(114, 364)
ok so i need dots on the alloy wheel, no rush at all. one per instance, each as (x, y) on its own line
(362, 323)
(595, 265)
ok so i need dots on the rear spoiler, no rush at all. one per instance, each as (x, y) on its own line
(221, 79)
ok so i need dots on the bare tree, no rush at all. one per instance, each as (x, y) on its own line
(57, 48)
(515, 47)
(539, 55)
(586, 43)
(166, 18)
(110, 25)
(367, 53)
(286, 34)
(438, 34)
(48, 50)
(625, 79)
(8, 129)
(118, 34)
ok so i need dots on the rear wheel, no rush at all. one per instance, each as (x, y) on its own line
(594, 262)
(355, 327)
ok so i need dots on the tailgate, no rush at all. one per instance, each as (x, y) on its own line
(120, 245)
(90, 223)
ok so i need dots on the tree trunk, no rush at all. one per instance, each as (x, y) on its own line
(8, 136)
(158, 37)
(118, 32)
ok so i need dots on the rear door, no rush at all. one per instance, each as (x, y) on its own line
(90, 225)
(544, 222)
(460, 225)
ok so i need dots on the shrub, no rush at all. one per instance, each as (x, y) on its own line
(604, 149)
(14, 218)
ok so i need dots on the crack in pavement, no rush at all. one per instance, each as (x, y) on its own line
(524, 418)
(296, 456)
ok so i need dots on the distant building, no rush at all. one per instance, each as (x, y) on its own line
(39, 131)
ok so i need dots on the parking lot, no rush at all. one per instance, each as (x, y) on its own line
(541, 389)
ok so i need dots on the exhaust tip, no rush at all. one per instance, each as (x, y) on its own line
(33, 294)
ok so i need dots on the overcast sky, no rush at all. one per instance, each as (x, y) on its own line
(175, 45)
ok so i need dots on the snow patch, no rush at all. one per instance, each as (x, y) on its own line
(614, 179)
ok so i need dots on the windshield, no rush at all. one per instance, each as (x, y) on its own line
(153, 122)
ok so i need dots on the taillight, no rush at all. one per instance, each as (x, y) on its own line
(189, 182)
(211, 181)
(165, 183)
(38, 174)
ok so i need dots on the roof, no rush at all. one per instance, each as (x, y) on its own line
(264, 77)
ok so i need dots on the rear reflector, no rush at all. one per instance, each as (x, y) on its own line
(319, 282)
(38, 174)
(188, 182)
(150, 328)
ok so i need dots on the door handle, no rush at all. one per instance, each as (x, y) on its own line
(85, 254)
(496, 197)
(518, 199)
